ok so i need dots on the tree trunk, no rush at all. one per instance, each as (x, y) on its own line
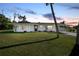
(54, 19)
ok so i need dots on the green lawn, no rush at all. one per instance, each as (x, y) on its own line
(61, 46)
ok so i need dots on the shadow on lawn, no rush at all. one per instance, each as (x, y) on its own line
(75, 51)
(4, 47)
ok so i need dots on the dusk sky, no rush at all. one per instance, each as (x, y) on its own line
(40, 10)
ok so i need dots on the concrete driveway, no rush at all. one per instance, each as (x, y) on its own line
(68, 33)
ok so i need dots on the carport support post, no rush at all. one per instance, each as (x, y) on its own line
(77, 37)
(46, 28)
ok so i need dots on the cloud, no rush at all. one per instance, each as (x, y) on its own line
(75, 8)
(30, 11)
(25, 10)
(50, 17)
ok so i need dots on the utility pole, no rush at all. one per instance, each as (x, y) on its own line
(52, 10)
(54, 19)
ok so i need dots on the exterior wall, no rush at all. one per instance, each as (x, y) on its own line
(41, 28)
(51, 28)
(46, 27)
(23, 27)
(30, 28)
(19, 28)
(62, 27)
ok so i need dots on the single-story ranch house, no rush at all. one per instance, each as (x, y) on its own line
(32, 27)
(24, 26)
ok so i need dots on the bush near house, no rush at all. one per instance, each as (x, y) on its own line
(6, 31)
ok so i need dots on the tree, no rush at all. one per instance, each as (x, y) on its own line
(62, 22)
(52, 10)
(75, 50)
(77, 37)
(5, 22)
(22, 17)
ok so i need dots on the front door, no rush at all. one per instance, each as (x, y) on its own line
(36, 27)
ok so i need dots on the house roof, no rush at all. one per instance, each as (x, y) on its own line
(34, 23)
(23, 22)
(26, 22)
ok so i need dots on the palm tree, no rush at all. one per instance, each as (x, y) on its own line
(24, 18)
(20, 17)
(52, 10)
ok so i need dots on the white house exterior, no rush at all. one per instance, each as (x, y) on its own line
(32, 27)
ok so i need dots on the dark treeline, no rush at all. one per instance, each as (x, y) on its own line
(5, 23)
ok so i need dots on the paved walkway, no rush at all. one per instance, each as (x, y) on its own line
(68, 33)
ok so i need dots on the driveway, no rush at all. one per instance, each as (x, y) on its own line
(68, 33)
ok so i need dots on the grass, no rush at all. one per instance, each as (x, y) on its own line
(58, 47)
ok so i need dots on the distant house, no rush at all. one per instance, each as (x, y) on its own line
(62, 26)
